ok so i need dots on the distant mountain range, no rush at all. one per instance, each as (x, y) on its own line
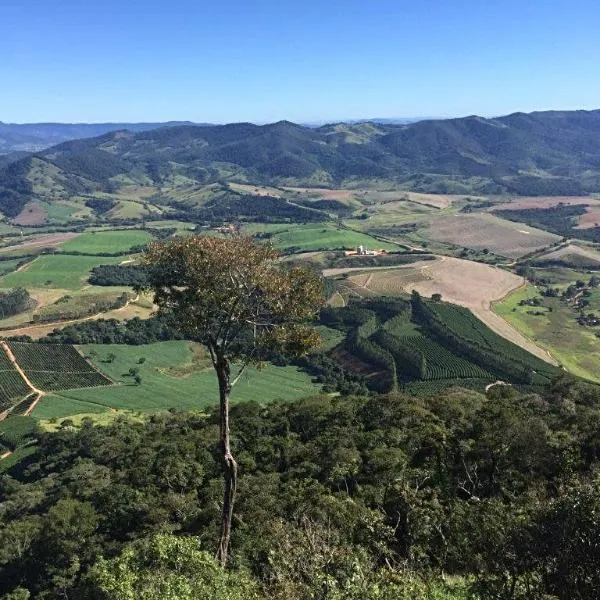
(545, 153)
(33, 137)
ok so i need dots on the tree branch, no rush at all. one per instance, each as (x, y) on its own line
(239, 374)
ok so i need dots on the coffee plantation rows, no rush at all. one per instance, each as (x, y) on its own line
(53, 367)
(49, 367)
(425, 346)
(17, 431)
(12, 385)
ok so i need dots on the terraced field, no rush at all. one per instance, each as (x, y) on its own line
(466, 283)
(398, 344)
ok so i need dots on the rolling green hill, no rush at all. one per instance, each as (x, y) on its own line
(168, 169)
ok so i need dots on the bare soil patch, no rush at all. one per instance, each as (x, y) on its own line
(590, 219)
(480, 231)
(32, 214)
(435, 200)
(524, 202)
(351, 362)
(50, 240)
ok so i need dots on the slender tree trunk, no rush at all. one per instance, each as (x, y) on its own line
(228, 462)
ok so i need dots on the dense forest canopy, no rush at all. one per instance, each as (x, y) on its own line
(356, 497)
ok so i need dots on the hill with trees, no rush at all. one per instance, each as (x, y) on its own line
(33, 137)
(450, 497)
(546, 153)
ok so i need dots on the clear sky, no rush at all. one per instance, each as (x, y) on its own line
(265, 60)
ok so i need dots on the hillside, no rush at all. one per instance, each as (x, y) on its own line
(33, 137)
(547, 153)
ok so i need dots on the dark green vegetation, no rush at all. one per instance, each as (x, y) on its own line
(131, 275)
(14, 302)
(519, 153)
(426, 346)
(560, 219)
(354, 498)
(32, 137)
(111, 331)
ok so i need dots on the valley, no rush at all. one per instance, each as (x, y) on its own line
(78, 216)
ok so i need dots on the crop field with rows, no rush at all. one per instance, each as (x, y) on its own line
(12, 385)
(465, 325)
(427, 346)
(14, 431)
(52, 367)
(442, 363)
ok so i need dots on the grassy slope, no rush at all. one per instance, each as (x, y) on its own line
(107, 241)
(558, 332)
(190, 387)
(56, 271)
(307, 238)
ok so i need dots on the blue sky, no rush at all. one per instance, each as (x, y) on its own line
(265, 60)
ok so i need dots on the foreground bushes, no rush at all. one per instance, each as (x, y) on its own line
(362, 497)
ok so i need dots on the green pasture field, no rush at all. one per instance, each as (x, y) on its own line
(107, 241)
(64, 212)
(398, 212)
(166, 224)
(557, 331)
(80, 304)
(307, 238)
(174, 375)
(56, 271)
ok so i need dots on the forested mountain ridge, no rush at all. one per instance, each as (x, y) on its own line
(33, 137)
(547, 153)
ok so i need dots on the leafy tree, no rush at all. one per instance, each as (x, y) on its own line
(166, 566)
(224, 292)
